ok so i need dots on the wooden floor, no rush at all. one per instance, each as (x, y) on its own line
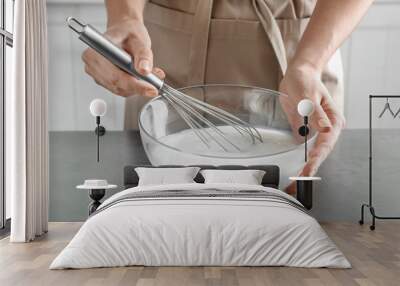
(375, 257)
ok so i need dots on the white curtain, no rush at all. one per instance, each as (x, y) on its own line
(26, 124)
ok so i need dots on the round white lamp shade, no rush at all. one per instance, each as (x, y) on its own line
(305, 107)
(98, 107)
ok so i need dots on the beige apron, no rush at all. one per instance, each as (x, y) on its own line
(228, 41)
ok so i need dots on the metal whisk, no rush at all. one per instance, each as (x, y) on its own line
(197, 114)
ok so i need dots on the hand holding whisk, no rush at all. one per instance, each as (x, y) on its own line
(197, 114)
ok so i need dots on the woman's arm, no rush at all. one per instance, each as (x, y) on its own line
(123, 10)
(330, 24)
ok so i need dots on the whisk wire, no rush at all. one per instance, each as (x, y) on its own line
(194, 125)
(219, 113)
(194, 113)
(189, 109)
(240, 129)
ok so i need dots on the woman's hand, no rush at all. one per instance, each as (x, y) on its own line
(132, 36)
(302, 82)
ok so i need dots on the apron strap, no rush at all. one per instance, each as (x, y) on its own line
(199, 42)
(271, 28)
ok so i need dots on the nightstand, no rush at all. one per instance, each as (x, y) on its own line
(97, 190)
(304, 186)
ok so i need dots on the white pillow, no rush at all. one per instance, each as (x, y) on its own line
(243, 177)
(165, 176)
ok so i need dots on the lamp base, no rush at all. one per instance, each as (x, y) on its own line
(304, 193)
(96, 195)
(305, 190)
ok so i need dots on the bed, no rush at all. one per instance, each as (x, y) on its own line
(199, 224)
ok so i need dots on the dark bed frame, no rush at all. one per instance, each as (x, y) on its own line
(270, 179)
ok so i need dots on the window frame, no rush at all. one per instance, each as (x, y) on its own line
(6, 39)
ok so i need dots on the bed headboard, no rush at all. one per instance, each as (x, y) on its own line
(270, 179)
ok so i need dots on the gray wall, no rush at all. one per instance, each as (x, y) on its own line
(338, 196)
(73, 159)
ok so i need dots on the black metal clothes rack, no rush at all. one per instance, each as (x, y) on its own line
(370, 200)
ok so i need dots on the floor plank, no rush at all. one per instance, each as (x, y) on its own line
(375, 257)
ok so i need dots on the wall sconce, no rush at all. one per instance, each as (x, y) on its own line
(98, 108)
(305, 108)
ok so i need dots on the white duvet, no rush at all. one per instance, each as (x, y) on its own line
(200, 231)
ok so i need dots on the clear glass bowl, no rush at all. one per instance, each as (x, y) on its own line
(168, 140)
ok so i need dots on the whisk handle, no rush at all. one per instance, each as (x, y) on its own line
(94, 39)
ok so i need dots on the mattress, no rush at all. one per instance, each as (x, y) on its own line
(200, 225)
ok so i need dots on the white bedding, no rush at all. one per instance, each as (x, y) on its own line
(200, 231)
